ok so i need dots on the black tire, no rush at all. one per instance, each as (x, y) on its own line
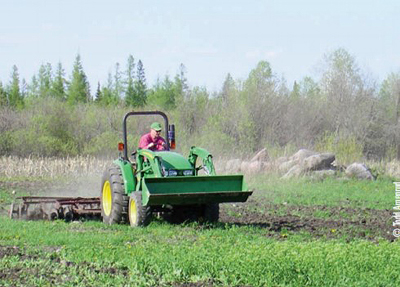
(211, 212)
(138, 215)
(185, 213)
(113, 200)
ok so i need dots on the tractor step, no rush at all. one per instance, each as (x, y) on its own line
(51, 208)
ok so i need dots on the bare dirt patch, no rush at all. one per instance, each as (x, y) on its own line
(319, 221)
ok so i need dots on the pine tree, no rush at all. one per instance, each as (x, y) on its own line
(24, 88)
(45, 80)
(295, 94)
(58, 85)
(78, 90)
(99, 94)
(163, 94)
(130, 82)
(227, 88)
(108, 96)
(33, 88)
(140, 86)
(15, 98)
(3, 96)
(118, 84)
(181, 87)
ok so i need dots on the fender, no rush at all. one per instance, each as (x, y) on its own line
(127, 175)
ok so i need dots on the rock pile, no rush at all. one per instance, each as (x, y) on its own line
(360, 171)
(303, 163)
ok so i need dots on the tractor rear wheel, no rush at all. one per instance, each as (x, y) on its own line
(138, 215)
(114, 202)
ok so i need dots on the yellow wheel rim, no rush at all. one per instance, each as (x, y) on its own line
(132, 212)
(107, 199)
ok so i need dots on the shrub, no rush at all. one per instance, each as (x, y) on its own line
(346, 148)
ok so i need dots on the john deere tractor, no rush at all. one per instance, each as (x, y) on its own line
(165, 182)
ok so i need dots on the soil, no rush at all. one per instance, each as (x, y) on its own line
(337, 222)
(278, 220)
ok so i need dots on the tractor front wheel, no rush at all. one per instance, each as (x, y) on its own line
(114, 202)
(138, 215)
(211, 212)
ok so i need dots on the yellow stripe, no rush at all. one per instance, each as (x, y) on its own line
(147, 154)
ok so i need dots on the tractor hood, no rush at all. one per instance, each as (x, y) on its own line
(173, 160)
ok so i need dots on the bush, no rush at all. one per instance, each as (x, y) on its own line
(346, 148)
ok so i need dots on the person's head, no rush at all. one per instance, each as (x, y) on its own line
(155, 130)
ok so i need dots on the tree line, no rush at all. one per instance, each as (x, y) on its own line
(342, 110)
(127, 86)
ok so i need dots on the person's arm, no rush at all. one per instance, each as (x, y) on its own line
(162, 144)
(144, 143)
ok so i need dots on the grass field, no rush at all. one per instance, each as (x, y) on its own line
(290, 233)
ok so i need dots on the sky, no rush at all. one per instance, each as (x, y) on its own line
(211, 38)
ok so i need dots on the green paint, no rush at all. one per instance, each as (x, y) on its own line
(157, 189)
(127, 175)
(194, 189)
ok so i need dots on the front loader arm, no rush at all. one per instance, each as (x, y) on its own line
(208, 164)
(148, 162)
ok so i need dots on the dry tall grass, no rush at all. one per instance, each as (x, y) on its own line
(41, 167)
(12, 166)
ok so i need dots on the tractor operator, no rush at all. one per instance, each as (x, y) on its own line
(152, 140)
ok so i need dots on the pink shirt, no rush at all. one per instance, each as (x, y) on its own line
(146, 139)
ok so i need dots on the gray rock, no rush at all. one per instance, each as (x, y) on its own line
(281, 160)
(319, 161)
(302, 154)
(287, 165)
(262, 155)
(254, 167)
(233, 165)
(267, 167)
(295, 171)
(360, 171)
(244, 166)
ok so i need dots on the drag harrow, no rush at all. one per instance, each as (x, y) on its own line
(51, 208)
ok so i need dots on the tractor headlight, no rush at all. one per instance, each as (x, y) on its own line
(188, 172)
(172, 172)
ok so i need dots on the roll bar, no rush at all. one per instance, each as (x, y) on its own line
(144, 113)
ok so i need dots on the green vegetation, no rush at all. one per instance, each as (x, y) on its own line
(91, 254)
(377, 194)
(343, 112)
(297, 232)
(291, 233)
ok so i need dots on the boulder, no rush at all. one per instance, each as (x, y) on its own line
(262, 155)
(281, 160)
(319, 161)
(295, 171)
(268, 167)
(302, 154)
(244, 166)
(254, 167)
(360, 171)
(233, 165)
(287, 165)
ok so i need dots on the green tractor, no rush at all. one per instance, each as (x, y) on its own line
(165, 182)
